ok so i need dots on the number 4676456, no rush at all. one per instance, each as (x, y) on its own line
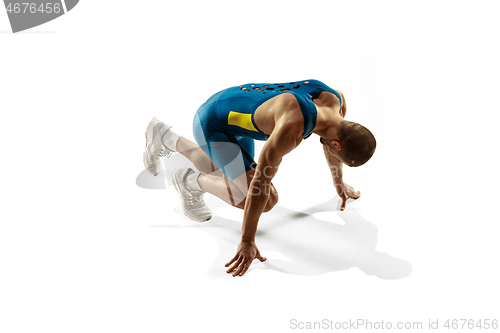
(26, 8)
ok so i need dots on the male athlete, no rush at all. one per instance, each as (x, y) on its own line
(225, 128)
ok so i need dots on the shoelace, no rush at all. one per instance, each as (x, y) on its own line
(163, 151)
(194, 199)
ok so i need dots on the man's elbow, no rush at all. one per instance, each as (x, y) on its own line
(272, 200)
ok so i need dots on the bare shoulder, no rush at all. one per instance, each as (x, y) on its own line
(289, 117)
(289, 100)
(341, 95)
(327, 98)
(289, 125)
(343, 109)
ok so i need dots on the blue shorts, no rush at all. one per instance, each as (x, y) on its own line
(232, 154)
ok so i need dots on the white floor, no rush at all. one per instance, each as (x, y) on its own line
(89, 242)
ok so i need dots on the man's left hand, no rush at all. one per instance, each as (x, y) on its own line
(345, 192)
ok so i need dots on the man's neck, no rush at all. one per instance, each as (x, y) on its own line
(327, 122)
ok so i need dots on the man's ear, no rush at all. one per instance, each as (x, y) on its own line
(336, 143)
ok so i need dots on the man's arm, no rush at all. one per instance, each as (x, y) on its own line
(279, 143)
(336, 169)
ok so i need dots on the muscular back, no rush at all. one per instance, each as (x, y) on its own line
(283, 110)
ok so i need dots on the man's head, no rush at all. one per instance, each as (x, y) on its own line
(355, 144)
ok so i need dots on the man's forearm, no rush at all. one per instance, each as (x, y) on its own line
(257, 197)
(335, 167)
(254, 206)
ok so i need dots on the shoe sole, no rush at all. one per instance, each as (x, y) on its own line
(176, 185)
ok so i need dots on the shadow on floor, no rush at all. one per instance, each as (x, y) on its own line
(306, 245)
(294, 242)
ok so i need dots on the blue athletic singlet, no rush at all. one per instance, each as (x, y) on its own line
(224, 125)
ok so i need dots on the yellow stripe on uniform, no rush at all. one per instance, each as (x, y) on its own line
(243, 120)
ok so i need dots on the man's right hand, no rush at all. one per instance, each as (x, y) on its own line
(246, 253)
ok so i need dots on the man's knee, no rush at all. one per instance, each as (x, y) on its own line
(271, 202)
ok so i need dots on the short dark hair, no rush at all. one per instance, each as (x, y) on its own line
(357, 143)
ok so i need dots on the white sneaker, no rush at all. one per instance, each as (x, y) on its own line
(192, 201)
(155, 148)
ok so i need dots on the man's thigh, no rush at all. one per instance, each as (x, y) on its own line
(243, 182)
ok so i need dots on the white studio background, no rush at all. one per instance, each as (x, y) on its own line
(83, 248)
